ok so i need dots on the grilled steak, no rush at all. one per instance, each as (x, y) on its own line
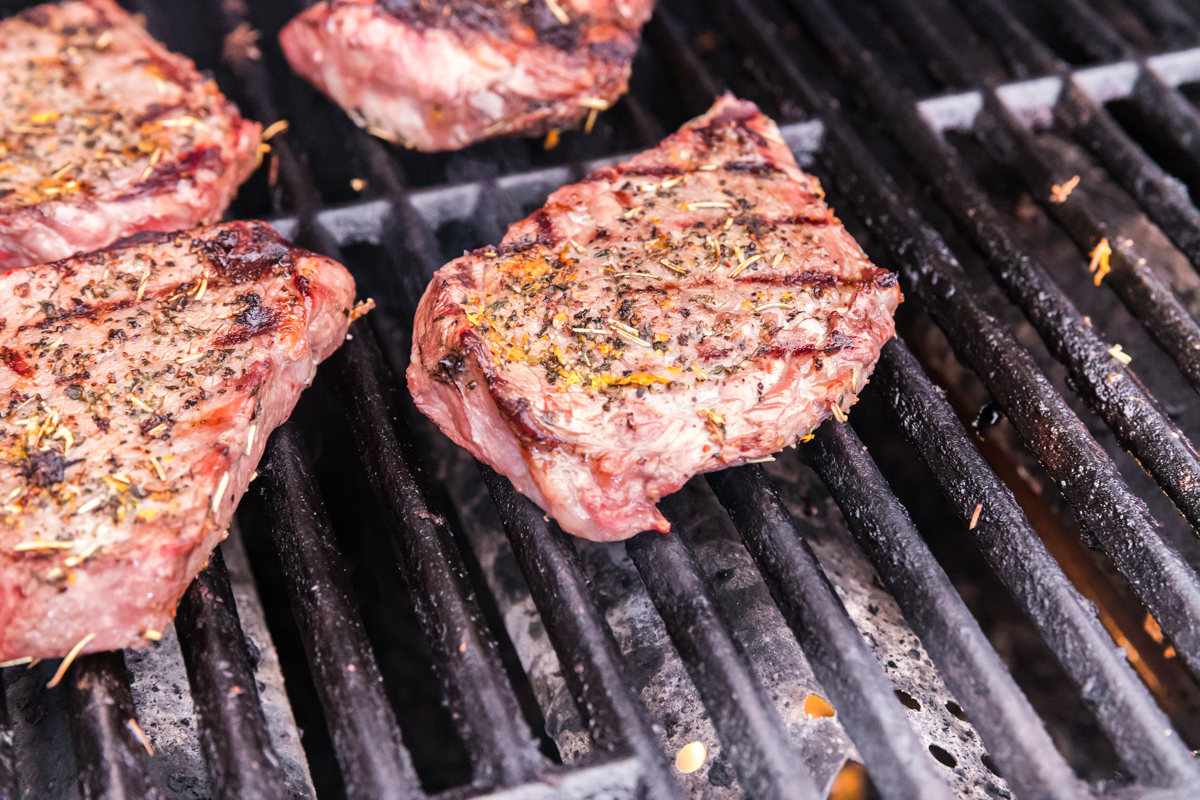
(695, 308)
(104, 133)
(443, 75)
(139, 385)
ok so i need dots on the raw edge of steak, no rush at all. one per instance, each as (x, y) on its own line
(133, 538)
(441, 82)
(139, 140)
(724, 355)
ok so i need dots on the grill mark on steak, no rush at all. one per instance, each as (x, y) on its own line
(167, 175)
(814, 279)
(629, 329)
(241, 256)
(838, 342)
(255, 319)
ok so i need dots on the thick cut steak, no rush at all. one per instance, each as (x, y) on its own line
(139, 385)
(104, 133)
(693, 309)
(439, 76)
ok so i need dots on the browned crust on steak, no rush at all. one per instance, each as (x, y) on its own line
(138, 386)
(695, 308)
(502, 67)
(105, 133)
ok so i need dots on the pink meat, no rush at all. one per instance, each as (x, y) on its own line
(695, 308)
(139, 386)
(442, 76)
(105, 133)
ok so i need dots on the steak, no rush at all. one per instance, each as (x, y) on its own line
(104, 133)
(444, 75)
(693, 309)
(139, 385)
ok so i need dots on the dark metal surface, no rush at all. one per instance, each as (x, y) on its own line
(1069, 626)
(9, 789)
(846, 668)
(1131, 413)
(1088, 479)
(615, 716)
(233, 729)
(502, 749)
(111, 759)
(745, 718)
(1163, 197)
(372, 758)
(1015, 736)
(1102, 382)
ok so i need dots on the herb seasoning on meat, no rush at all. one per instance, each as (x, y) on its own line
(695, 308)
(132, 420)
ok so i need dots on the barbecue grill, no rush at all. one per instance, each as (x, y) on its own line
(990, 572)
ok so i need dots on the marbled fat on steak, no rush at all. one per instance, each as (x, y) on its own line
(139, 386)
(105, 133)
(440, 76)
(693, 309)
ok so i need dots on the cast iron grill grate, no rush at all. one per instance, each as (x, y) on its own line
(501, 710)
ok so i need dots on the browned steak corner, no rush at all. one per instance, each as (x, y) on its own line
(695, 308)
(138, 387)
(104, 133)
(444, 75)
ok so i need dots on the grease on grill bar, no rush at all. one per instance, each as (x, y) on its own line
(554, 670)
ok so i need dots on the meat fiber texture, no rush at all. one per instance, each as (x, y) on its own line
(442, 76)
(104, 133)
(139, 387)
(693, 309)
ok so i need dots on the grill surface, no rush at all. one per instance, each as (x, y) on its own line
(992, 571)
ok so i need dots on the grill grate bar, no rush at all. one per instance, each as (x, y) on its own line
(1162, 197)
(1173, 26)
(1011, 730)
(846, 668)
(9, 789)
(232, 727)
(746, 720)
(1088, 29)
(112, 762)
(1123, 707)
(616, 717)
(1166, 108)
(482, 702)
(1130, 411)
(669, 41)
(366, 737)
(1089, 480)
